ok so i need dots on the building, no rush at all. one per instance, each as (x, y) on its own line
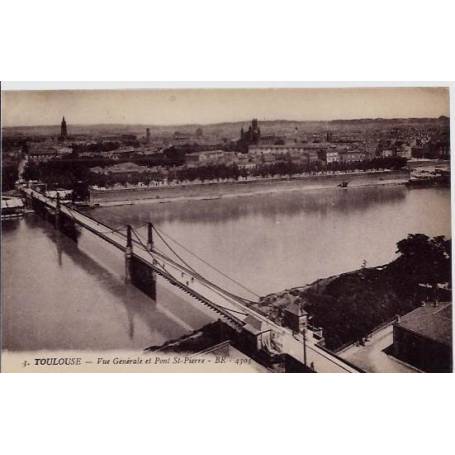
(423, 338)
(256, 333)
(63, 150)
(351, 156)
(272, 139)
(122, 172)
(63, 129)
(181, 138)
(11, 207)
(312, 156)
(254, 132)
(332, 156)
(64, 195)
(192, 159)
(371, 149)
(307, 153)
(41, 151)
(387, 153)
(147, 136)
(251, 136)
(404, 151)
(205, 158)
(125, 152)
(295, 317)
(211, 156)
(293, 150)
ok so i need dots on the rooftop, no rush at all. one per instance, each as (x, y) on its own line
(430, 321)
(295, 309)
(254, 325)
(275, 146)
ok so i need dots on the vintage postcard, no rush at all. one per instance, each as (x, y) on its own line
(299, 229)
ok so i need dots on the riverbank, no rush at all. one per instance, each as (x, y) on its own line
(350, 306)
(209, 191)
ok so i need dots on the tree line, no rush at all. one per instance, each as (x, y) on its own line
(64, 173)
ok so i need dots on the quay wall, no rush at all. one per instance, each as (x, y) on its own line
(215, 190)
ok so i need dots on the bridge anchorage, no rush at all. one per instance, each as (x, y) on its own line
(144, 260)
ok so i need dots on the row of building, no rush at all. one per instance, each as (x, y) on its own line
(324, 153)
(256, 156)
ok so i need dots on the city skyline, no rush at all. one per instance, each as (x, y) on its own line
(168, 107)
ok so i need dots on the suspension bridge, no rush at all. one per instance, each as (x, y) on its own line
(143, 261)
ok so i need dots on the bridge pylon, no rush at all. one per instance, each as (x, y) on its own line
(149, 236)
(57, 212)
(128, 253)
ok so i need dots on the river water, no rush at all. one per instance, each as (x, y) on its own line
(61, 295)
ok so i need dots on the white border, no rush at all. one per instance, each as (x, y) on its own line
(110, 85)
(165, 40)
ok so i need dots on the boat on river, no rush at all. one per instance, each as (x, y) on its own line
(429, 176)
(344, 184)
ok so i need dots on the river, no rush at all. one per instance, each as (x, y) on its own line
(61, 295)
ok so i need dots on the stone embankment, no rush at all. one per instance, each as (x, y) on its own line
(159, 194)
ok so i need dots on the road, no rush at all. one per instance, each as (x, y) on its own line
(372, 357)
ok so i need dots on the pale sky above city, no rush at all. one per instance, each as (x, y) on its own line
(172, 106)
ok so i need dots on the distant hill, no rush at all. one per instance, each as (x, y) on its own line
(226, 129)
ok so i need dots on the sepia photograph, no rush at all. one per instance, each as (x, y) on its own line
(275, 230)
(193, 193)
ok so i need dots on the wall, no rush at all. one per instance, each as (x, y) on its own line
(423, 353)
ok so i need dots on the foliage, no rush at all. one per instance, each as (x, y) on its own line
(9, 176)
(350, 306)
(64, 173)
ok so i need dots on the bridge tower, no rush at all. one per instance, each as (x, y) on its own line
(128, 253)
(57, 212)
(149, 236)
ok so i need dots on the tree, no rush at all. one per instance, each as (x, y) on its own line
(423, 260)
(9, 176)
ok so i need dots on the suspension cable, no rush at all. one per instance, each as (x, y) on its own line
(197, 274)
(216, 304)
(225, 294)
(116, 230)
(210, 265)
(173, 251)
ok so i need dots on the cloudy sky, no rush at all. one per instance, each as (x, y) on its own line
(165, 106)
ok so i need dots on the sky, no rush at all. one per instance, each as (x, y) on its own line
(190, 106)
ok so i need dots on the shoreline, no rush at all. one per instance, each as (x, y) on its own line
(224, 190)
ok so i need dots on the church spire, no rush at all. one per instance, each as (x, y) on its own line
(63, 129)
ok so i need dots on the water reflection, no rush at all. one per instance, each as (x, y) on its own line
(265, 205)
(57, 297)
(58, 244)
